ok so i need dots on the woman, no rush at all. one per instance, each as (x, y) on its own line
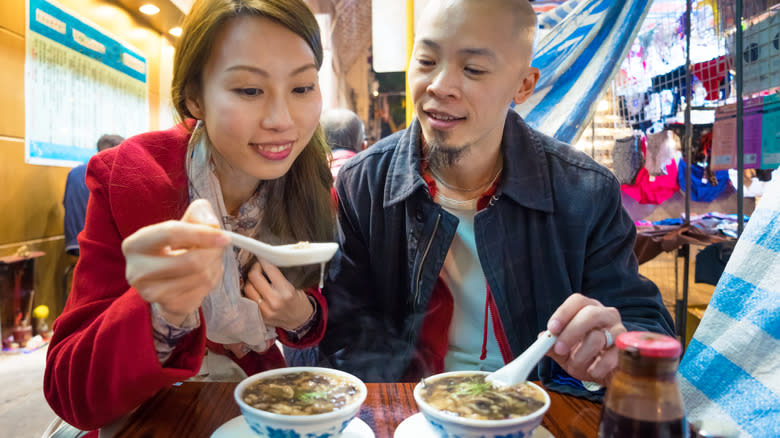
(156, 284)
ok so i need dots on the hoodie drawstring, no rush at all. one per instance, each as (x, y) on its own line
(485, 327)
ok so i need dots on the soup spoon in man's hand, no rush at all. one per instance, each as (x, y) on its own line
(518, 370)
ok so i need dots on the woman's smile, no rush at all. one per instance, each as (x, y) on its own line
(274, 151)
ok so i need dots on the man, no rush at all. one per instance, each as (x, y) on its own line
(77, 195)
(345, 135)
(466, 235)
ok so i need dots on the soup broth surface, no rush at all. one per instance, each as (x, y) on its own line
(303, 393)
(470, 396)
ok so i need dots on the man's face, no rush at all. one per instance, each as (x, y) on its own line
(469, 62)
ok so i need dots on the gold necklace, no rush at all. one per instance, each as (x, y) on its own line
(463, 189)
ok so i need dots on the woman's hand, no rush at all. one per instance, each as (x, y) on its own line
(280, 303)
(581, 349)
(177, 263)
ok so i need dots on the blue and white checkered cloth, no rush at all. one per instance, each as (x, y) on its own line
(731, 369)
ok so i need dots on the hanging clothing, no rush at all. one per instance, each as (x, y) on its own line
(752, 185)
(661, 148)
(627, 158)
(673, 81)
(724, 140)
(713, 5)
(702, 190)
(632, 106)
(648, 189)
(653, 190)
(714, 75)
(770, 132)
(701, 142)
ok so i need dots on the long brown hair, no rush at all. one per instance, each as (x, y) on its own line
(298, 206)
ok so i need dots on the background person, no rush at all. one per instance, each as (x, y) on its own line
(346, 137)
(466, 235)
(345, 134)
(77, 195)
(155, 285)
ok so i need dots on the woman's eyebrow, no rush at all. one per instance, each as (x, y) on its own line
(261, 72)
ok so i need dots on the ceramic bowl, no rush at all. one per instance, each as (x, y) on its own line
(451, 426)
(271, 425)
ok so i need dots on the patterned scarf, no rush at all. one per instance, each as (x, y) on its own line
(230, 318)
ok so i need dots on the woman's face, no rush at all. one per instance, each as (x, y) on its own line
(259, 99)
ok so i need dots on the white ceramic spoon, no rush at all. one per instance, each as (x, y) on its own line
(518, 370)
(296, 254)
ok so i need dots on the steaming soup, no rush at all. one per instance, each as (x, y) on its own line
(302, 393)
(470, 396)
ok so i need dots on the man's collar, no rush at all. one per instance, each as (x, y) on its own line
(525, 178)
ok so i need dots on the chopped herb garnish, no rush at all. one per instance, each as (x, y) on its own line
(310, 396)
(473, 388)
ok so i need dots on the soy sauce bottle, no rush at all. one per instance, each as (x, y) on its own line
(643, 399)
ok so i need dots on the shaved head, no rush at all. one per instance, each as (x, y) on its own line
(521, 10)
(521, 27)
(471, 60)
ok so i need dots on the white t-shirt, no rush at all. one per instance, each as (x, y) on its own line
(463, 275)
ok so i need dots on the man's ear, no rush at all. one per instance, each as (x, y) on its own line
(527, 86)
(193, 101)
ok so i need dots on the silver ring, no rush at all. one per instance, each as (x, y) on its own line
(609, 339)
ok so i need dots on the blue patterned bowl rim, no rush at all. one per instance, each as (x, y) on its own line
(349, 409)
(484, 424)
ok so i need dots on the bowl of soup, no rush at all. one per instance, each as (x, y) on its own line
(300, 401)
(463, 404)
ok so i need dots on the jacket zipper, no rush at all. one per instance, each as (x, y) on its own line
(422, 261)
(498, 326)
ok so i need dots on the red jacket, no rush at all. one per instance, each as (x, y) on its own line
(102, 363)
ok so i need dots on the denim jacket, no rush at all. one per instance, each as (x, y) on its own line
(555, 226)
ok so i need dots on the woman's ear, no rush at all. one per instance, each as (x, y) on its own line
(527, 86)
(193, 101)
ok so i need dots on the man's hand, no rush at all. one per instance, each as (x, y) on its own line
(581, 349)
(177, 263)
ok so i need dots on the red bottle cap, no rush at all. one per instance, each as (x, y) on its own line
(650, 344)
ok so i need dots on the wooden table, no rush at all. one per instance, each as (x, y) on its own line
(197, 409)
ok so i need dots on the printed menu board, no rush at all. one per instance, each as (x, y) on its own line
(80, 83)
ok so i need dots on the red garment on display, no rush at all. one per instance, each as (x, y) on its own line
(711, 73)
(102, 362)
(657, 190)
